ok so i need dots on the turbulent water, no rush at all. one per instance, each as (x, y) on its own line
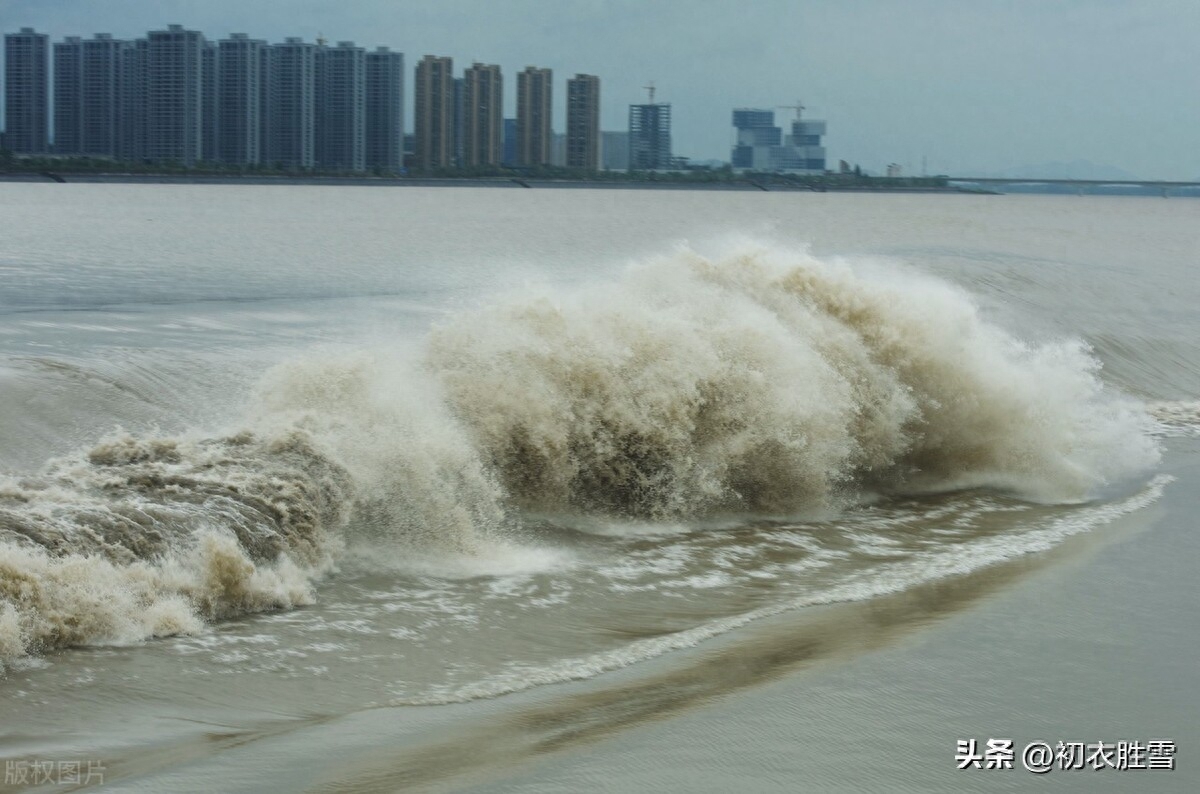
(767, 384)
(485, 470)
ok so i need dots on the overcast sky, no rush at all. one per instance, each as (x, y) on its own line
(968, 86)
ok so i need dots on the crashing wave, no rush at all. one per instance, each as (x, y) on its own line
(763, 383)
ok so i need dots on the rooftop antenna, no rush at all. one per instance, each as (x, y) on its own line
(650, 88)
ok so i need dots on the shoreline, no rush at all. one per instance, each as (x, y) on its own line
(488, 182)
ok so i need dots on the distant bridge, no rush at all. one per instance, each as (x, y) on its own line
(1156, 184)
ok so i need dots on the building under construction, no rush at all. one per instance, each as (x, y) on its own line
(650, 135)
(762, 146)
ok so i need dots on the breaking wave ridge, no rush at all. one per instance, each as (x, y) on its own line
(766, 383)
(894, 578)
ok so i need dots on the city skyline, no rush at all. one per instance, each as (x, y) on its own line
(175, 96)
(932, 82)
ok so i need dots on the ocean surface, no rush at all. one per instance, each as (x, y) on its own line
(345, 489)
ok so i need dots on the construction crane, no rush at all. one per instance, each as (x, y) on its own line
(650, 87)
(798, 107)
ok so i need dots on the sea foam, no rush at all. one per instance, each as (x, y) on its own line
(764, 382)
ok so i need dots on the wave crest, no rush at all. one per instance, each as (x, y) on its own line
(760, 385)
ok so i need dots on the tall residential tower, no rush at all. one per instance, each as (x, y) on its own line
(291, 106)
(385, 110)
(87, 96)
(101, 75)
(433, 102)
(175, 100)
(27, 92)
(342, 107)
(241, 106)
(68, 96)
(583, 122)
(133, 99)
(534, 107)
(483, 117)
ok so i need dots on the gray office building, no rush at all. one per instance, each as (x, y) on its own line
(534, 106)
(291, 116)
(756, 132)
(483, 116)
(650, 137)
(434, 113)
(583, 122)
(803, 149)
(558, 149)
(26, 92)
(385, 110)
(509, 156)
(175, 101)
(761, 145)
(614, 151)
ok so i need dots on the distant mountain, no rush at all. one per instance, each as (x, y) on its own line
(1076, 169)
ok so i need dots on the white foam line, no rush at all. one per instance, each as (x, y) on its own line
(962, 560)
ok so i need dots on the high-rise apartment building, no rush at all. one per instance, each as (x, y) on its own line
(134, 57)
(87, 96)
(483, 117)
(458, 137)
(534, 105)
(209, 110)
(241, 106)
(583, 122)
(433, 96)
(264, 95)
(649, 137)
(100, 131)
(68, 96)
(291, 116)
(385, 110)
(174, 97)
(26, 91)
(342, 107)
(175, 101)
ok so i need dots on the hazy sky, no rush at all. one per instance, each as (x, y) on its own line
(971, 85)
